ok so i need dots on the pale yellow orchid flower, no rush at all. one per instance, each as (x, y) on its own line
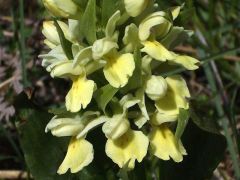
(124, 145)
(164, 144)
(157, 26)
(175, 98)
(80, 151)
(119, 67)
(77, 125)
(81, 92)
(128, 148)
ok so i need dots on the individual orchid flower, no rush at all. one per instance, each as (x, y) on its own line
(124, 145)
(62, 8)
(119, 67)
(156, 25)
(76, 125)
(135, 7)
(165, 145)
(80, 151)
(81, 92)
(176, 98)
(128, 148)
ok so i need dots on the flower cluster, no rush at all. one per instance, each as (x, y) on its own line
(115, 68)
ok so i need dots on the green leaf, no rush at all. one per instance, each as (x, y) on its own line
(135, 81)
(203, 122)
(104, 95)
(43, 153)
(108, 9)
(182, 122)
(66, 44)
(205, 151)
(88, 22)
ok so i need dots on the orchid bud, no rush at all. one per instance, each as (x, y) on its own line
(156, 87)
(51, 34)
(62, 8)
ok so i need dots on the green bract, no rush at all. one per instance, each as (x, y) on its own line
(109, 60)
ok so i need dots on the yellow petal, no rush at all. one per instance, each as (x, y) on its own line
(80, 94)
(118, 69)
(188, 62)
(164, 144)
(175, 97)
(131, 146)
(135, 7)
(156, 51)
(79, 155)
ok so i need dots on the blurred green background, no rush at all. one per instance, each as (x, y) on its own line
(215, 89)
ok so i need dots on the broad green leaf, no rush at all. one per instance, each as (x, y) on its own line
(182, 122)
(66, 44)
(203, 122)
(88, 22)
(205, 151)
(43, 153)
(108, 9)
(104, 95)
(135, 81)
